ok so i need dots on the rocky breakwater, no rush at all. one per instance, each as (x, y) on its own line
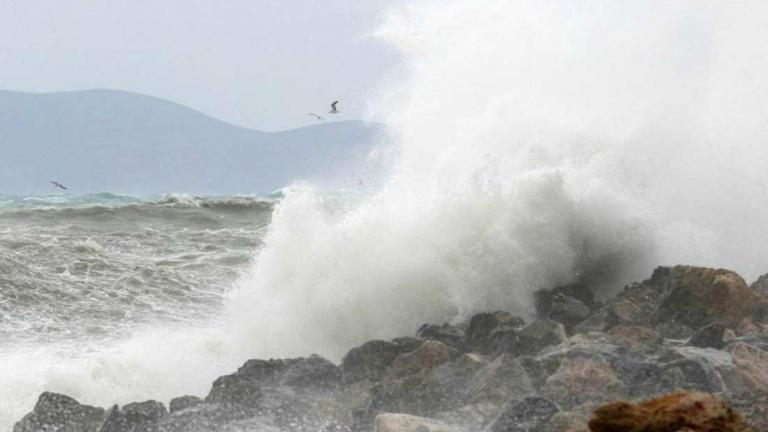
(685, 328)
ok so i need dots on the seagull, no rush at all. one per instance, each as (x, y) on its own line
(333, 108)
(59, 185)
(315, 116)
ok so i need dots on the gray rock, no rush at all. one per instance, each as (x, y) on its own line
(371, 360)
(711, 336)
(568, 311)
(529, 414)
(761, 285)
(57, 412)
(502, 379)
(183, 402)
(390, 422)
(537, 336)
(135, 417)
(445, 333)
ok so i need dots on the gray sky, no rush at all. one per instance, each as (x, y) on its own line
(258, 63)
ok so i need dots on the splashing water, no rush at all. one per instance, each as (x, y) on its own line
(536, 144)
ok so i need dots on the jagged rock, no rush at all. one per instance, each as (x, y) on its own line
(135, 417)
(568, 311)
(633, 336)
(502, 379)
(761, 286)
(183, 402)
(751, 365)
(537, 336)
(479, 335)
(244, 387)
(57, 412)
(599, 321)
(699, 296)
(583, 379)
(472, 417)
(414, 385)
(529, 414)
(445, 333)
(371, 360)
(678, 412)
(429, 355)
(390, 422)
(711, 336)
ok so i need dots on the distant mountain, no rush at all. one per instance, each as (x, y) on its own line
(115, 141)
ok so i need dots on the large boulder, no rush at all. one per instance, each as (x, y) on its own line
(183, 402)
(135, 417)
(676, 412)
(446, 333)
(57, 412)
(583, 379)
(697, 297)
(245, 387)
(537, 336)
(751, 365)
(480, 333)
(371, 360)
(502, 379)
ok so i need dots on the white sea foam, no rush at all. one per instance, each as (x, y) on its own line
(537, 143)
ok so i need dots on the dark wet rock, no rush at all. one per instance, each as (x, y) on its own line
(543, 299)
(371, 360)
(414, 385)
(135, 417)
(245, 386)
(530, 414)
(57, 412)
(183, 402)
(445, 333)
(479, 335)
(711, 336)
(537, 336)
(429, 355)
(568, 311)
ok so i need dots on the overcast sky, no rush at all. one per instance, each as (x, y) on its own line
(258, 63)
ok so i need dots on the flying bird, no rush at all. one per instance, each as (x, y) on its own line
(315, 116)
(333, 108)
(59, 185)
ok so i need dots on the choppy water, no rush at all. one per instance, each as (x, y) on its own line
(81, 273)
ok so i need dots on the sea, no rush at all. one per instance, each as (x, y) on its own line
(82, 274)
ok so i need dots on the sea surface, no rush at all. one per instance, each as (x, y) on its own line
(82, 274)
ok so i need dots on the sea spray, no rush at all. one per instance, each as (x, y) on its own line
(537, 144)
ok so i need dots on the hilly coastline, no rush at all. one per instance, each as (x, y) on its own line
(116, 141)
